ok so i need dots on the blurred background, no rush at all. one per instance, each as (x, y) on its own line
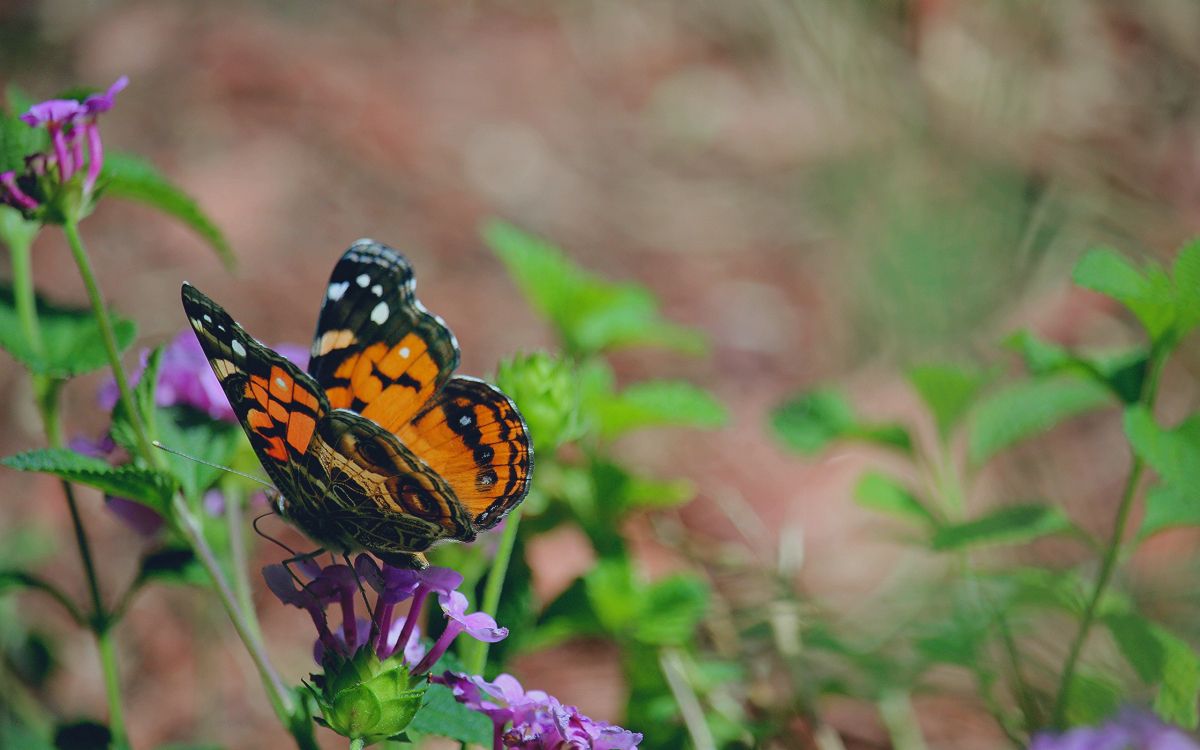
(829, 190)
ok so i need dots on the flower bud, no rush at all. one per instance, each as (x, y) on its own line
(546, 391)
(363, 698)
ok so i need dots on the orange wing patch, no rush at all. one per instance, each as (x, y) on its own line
(474, 437)
(386, 384)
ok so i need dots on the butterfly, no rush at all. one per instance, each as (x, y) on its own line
(378, 446)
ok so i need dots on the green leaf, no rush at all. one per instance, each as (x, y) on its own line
(808, 422)
(1168, 507)
(613, 594)
(1185, 275)
(590, 314)
(880, 492)
(72, 344)
(1091, 699)
(1160, 658)
(18, 140)
(199, 436)
(1148, 296)
(1014, 524)
(133, 178)
(123, 430)
(1124, 372)
(546, 389)
(150, 488)
(656, 403)
(442, 715)
(1174, 454)
(569, 615)
(947, 390)
(1023, 410)
(670, 610)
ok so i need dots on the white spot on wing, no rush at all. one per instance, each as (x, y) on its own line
(207, 318)
(281, 382)
(337, 290)
(464, 421)
(380, 313)
(237, 348)
(377, 290)
(196, 323)
(363, 280)
(404, 352)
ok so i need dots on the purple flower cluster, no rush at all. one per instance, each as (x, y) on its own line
(72, 126)
(385, 633)
(1131, 729)
(533, 720)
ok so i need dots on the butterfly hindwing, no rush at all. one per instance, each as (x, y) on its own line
(278, 405)
(377, 350)
(473, 436)
(397, 501)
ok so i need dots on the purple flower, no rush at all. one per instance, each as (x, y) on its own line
(143, 519)
(537, 720)
(385, 633)
(74, 139)
(479, 625)
(1130, 729)
(99, 103)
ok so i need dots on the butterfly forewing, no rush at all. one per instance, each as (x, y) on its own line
(377, 350)
(278, 405)
(474, 437)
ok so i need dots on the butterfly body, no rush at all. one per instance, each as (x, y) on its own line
(378, 446)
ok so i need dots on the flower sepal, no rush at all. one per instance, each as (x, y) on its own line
(365, 698)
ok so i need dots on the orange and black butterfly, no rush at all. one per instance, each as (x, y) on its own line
(378, 447)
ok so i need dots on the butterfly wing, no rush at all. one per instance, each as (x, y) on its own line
(377, 350)
(472, 435)
(380, 493)
(278, 405)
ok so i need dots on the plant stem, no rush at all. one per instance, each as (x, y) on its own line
(897, 713)
(109, 338)
(281, 699)
(23, 296)
(1112, 552)
(358, 743)
(475, 660)
(112, 686)
(234, 503)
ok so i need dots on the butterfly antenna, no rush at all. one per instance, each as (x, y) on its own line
(174, 452)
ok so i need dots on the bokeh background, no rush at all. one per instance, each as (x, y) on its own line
(830, 190)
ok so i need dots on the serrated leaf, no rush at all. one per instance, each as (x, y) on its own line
(1149, 295)
(133, 178)
(1029, 408)
(71, 340)
(670, 610)
(1174, 454)
(1169, 507)
(590, 314)
(442, 715)
(150, 488)
(947, 390)
(1123, 371)
(880, 492)
(1014, 524)
(200, 437)
(1091, 698)
(656, 403)
(1160, 658)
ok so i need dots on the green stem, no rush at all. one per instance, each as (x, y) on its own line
(1112, 552)
(358, 743)
(475, 659)
(281, 699)
(234, 503)
(71, 229)
(24, 297)
(897, 713)
(30, 581)
(112, 687)
(670, 661)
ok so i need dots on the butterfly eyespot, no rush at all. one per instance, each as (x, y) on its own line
(485, 478)
(372, 452)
